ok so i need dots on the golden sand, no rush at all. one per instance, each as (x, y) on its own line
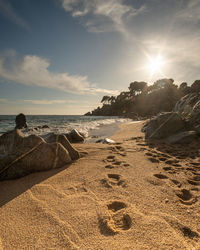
(129, 195)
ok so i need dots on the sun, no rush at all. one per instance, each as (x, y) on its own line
(155, 64)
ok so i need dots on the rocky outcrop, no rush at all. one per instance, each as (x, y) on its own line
(164, 125)
(181, 125)
(20, 121)
(21, 155)
(189, 109)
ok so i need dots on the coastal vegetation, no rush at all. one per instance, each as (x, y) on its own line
(143, 100)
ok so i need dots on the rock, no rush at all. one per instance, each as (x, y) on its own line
(45, 126)
(105, 141)
(182, 137)
(197, 129)
(21, 155)
(189, 109)
(94, 136)
(20, 121)
(185, 116)
(69, 137)
(163, 126)
(52, 138)
(76, 136)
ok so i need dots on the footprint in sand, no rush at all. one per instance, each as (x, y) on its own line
(110, 158)
(149, 154)
(142, 144)
(187, 232)
(118, 150)
(113, 162)
(109, 166)
(195, 173)
(167, 168)
(113, 180)
(160, 176)
(116, 220)
(180, 228)
(194, 181)
(137, 138)
(177, 183)
(186, 197)
(154, 160)
(162, 158)
(195, 164)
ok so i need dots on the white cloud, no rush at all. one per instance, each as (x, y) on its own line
(102, 15)
(7, 10)
(33, 70)
(49, 102)
(3, 100)
(191, 12)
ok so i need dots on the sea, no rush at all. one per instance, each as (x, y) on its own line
(88, 125)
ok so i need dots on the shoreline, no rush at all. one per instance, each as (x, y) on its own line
(126, 195)
(106, 131)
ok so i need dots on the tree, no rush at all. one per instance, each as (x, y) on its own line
(137, 87)
(183, 85)
(105, 99)
(195, 87)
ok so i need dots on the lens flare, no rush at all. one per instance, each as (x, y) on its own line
(155, 64)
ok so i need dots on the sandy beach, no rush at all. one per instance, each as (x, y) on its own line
(128, 195)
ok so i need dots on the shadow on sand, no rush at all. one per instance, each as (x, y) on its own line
(10, 189)
(180, 151)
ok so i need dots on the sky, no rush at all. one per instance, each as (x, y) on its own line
(61, 57)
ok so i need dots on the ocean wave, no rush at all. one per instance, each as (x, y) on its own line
(60, 124)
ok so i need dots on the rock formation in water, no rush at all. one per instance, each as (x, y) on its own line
(20, 121)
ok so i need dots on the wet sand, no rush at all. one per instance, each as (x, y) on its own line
(128, 195)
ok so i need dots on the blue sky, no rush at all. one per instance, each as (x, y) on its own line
(62, 56)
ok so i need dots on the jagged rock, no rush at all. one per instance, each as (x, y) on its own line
(51, 137)
(21, 155)
(189, 109)
(186, 115)
(163, 125)
(182, 137)
(45, 126)
(76, 136)
(20, 121)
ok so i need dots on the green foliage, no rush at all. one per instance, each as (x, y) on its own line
(144, 100)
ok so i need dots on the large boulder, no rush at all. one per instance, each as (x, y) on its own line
(182, 137)
(75, 136)
(164, 125)
(20, 121)
(189, 109)
(21, 155)
(52, 138)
